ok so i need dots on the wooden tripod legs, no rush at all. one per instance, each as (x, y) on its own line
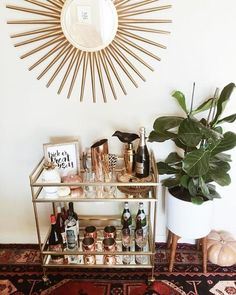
(172, 244)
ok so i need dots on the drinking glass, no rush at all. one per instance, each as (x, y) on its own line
(90, 189)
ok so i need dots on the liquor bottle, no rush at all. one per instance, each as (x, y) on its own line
(63, 211)
(141, 214)
(142, 162)
(126, 215)
(126, 259)
(61, 224)
(71, 237)
(71, 212)
(55, 241)
(138, 234)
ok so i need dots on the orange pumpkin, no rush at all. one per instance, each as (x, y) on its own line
(221, 248)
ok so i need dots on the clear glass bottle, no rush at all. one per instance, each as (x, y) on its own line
(142, 161)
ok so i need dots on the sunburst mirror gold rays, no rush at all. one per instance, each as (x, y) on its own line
(90, 40)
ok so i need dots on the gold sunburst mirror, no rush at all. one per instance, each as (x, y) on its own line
(93, 38)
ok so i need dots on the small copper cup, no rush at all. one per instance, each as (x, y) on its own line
(90, 231)
(109, 244)
(109, 259)
(89, 259)
(88, 244)
(110, 231)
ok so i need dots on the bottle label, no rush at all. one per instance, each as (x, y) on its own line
(55, 248)
(71, 237)
(142, 216)
(139, 168)
(126, 216)
(56, 258)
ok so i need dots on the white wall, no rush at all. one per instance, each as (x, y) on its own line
(201, 48)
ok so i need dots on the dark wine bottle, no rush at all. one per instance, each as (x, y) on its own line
(142, 162)
(72, 213)
(61, 224)
(55, 241)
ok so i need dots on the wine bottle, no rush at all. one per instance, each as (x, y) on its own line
(63, 211)
(138, 238)
(142, 162)
(71, 237)
(55, 241)
(61, 224)
(71, 212)
(141, 214)
(126, 215)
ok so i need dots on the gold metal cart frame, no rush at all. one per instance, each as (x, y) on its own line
(150, 197)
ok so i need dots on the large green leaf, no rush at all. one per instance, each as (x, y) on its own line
(218, 172)
(198, 200)
(193, 187)
(173, 158)
(160, 137)
(171, 182)
(164, 168)
(189, 132)
(203, 107)
(222, 157)
(226, 143)
(161, 127)
(213, 194)
(228, 119)
(196, 163)
(203, 187)
(181, 100)
(222, 180)
(179, 143)
(184, 180)
(223, 99)
(166, 123)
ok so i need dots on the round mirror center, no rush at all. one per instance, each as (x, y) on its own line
(89, 25)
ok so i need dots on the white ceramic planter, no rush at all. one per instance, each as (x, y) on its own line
(188, 220)
(51, 176)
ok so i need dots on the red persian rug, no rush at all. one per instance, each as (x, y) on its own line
(74, 287)
(21, 274)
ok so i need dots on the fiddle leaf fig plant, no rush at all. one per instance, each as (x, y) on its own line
(200, 161)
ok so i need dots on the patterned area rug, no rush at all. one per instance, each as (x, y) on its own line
(21, 274)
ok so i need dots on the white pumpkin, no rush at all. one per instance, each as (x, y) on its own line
(221, 248)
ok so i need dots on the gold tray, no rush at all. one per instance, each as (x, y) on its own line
(134, 189)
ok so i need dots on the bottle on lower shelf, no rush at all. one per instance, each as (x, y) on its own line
(71, 238)
(55, 241)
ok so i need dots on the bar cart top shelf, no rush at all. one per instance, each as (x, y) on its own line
(121, 190)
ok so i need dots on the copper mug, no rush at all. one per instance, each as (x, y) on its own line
(109, 259)
(88, 244)
(109, 231)
(90, 231)
(109, 244)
